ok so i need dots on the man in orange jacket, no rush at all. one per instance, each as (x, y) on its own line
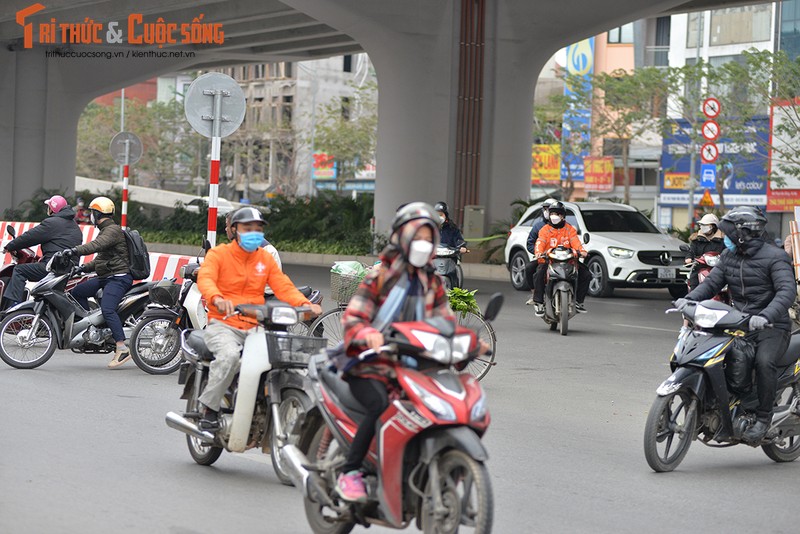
(232, 274)
(558, 232)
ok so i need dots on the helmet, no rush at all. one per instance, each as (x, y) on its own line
(246, 215)
(709, 218)
(412, 211)
(558, 207)
(743, 223)
(102, 204)
(549, 202)
(56, 203)
(442, 206)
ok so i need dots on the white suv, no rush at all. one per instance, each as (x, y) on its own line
(625, 249)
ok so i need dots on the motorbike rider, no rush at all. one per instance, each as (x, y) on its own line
(707, 239)
(403, 288)
(113, 272)
(450, 235)
(237, 273)
(82, 214)
(55, 233)
(761, 282)
(266, 245)
(558, 232)
(537, 226)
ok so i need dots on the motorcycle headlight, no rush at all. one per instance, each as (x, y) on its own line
(621, 253)
(437, 346)
(711, 259)
(440, 407)
(707, 318)
(283, 315)
(478, 412)
(461, 346)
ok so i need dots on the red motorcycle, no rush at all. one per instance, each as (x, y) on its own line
(704, 263)
(21, 256)
(426, 462)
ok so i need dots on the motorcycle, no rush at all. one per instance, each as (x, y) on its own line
(20, 257)
(31, 331)
(265, 400)
(447, 263)
(561, 286)
(427, 461)
(698, 401)
(704, 263)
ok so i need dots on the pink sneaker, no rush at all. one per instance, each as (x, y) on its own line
(350, 487)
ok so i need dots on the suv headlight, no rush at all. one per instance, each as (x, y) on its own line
(621, 253)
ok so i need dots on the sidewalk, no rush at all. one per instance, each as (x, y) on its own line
(473, 271)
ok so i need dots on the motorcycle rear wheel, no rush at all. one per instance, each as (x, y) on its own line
(292, 411)
(201, 452)
(163, 358)
(664, 422)
(466, 493)
(319, 521)
(789, 451)
(41, 348)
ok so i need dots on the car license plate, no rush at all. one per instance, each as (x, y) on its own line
(666, 272)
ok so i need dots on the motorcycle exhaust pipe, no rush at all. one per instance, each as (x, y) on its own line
(304, 480)
(179, 422)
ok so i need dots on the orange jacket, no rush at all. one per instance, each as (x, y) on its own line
(551, 237)
(233, 274)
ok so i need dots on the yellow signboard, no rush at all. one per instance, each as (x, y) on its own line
(676, 180)
(546, 165)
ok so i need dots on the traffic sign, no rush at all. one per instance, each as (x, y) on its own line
(708, 175)
(117, 148)
(709, 153)
(202, 98)
(711, 107)
(710, 130)
(706, 201)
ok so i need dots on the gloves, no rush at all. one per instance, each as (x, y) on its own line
(681, 304)
(67, 252)
(78, 270)
(758, 322)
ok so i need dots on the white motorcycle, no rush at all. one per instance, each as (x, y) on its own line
(265, 401)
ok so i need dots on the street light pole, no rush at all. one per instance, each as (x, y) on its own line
(694, 109)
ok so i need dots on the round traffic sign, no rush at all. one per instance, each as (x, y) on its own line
(709, 153)
(711, 107)
(710, 130)
(117, 147)
(198, 104)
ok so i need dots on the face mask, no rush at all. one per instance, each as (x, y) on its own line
(706, 229)
(729, 244)
(556, 219)
(441, 219)
(419, 253)
(250, 241)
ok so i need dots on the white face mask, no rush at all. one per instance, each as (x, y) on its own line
(556, 219)
(706, 229)
(419, 253)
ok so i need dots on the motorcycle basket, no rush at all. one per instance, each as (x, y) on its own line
(286, 350)
(165, 293)
(343, 286)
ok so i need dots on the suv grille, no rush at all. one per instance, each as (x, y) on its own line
(657, 257)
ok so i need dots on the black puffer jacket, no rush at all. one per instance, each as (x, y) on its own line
(699, 244)
(54, 234)
(760, 280)
(111, 249)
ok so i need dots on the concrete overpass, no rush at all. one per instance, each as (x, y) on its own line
(456, 79)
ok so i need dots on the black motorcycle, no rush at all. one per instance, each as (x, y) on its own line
(710, 396)
(32, 330)
(561, 286)
(447, 263)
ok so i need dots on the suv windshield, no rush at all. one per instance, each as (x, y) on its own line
(617, 221)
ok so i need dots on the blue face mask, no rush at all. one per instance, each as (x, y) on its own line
(250, 241)
(729, 244)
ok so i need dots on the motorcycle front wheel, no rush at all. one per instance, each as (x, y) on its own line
(563, 320)
(201, 452)
(669, 419)
(292, 411)
(466, 496)
(321, 519)
(155, 345)
(788, 447)
(24, 348)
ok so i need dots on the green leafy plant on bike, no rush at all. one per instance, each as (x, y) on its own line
(463, 301)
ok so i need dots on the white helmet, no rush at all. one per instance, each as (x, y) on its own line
(709, 218)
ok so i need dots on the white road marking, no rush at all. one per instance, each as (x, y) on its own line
(671, 330)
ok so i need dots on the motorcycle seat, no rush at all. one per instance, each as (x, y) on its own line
(197, 342)
(341, 390)
(792, 352)
(305, 290)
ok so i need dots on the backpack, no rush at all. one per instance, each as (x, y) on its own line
(138, 257)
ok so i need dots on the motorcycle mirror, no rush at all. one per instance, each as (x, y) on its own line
(206, 245)
(684, 248)
(495, 303)
(585, 238)
(11, 231)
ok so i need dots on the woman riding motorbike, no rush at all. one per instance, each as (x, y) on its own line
(708, 239)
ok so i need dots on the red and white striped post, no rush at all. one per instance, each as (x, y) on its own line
(125, 170)
(213, 174)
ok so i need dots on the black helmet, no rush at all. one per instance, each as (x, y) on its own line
(412, 211)
(743, 223)
(442, 206)
(557, 207)
(246, 215)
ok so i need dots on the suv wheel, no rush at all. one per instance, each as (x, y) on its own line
(599, 286)
(517, 270)
(679, 291)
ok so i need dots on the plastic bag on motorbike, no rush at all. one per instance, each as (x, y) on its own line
(739, 366)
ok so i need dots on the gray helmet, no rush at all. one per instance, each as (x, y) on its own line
(743, 223)
(246, 215)
(413, 211)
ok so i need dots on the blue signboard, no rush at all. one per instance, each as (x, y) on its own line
(741, 167)
(576, 122)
